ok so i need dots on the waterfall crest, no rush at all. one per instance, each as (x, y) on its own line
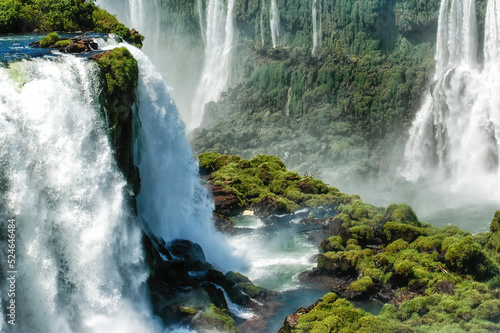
(455, 137)
(79, 258)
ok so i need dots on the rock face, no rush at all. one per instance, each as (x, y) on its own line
(73, 45)
(180, 272)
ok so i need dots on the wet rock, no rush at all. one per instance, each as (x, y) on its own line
(76, 48)
(224, 224)
(446, 287)
(267, 206)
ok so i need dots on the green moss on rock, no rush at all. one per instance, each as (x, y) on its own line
(215, 319)
(467, 257)
(50, 39)
(63, 43)
(401, 213)
(362, 285)
(265, 182)
(120, 75)
(495, 223)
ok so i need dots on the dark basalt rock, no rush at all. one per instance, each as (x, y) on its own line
(180, 267)
(267, 206)
(224, 224)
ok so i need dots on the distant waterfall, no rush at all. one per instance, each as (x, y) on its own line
(79, 259)
(199, 5)
(219, 39)
(456, 134)
(262, 22)
(274, 22)
(141, 15)
(315, 29)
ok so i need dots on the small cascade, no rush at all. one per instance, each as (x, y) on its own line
(287, 106)
(262, 22)
(234, 308)
(274, 23)
(315, 30)
(455, 137)
(219, 39)
(320, 32)
(141, 15)
(199, 5)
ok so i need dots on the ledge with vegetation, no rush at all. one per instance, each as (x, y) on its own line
(429, 278)
(64, 15)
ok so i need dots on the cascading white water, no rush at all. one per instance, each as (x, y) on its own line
(219, 38)
(79, 258)
(455, 137)
(274, 23)
(262, 22)
(320, 32)
(172, 202)
(289, 99)
(315, 29)
(201, 18)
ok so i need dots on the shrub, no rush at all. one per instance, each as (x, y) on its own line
(50, 39)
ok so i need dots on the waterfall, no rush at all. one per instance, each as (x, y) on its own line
(141, 15)
(289, 99)
(274, 22)
(262, 22)
(201, 18)
(320, 32)
(217, 63)
(172, 202)
(315, 30)
(455, 137)
(79, 259)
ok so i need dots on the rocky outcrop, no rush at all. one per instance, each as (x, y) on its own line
(73, 45)
(263, 185)
(180, 272)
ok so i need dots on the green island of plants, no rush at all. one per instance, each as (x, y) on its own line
(265, 178)
(26, 16)
(430, 279)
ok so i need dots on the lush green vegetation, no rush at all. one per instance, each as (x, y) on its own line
(362, 87)
(22, 16)
(263, 177)
(443, 279)
(431, 279)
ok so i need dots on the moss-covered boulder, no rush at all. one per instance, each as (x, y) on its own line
(401, 213)
(215, 320)
(263, 184)
(467, 257)
(50, 39)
